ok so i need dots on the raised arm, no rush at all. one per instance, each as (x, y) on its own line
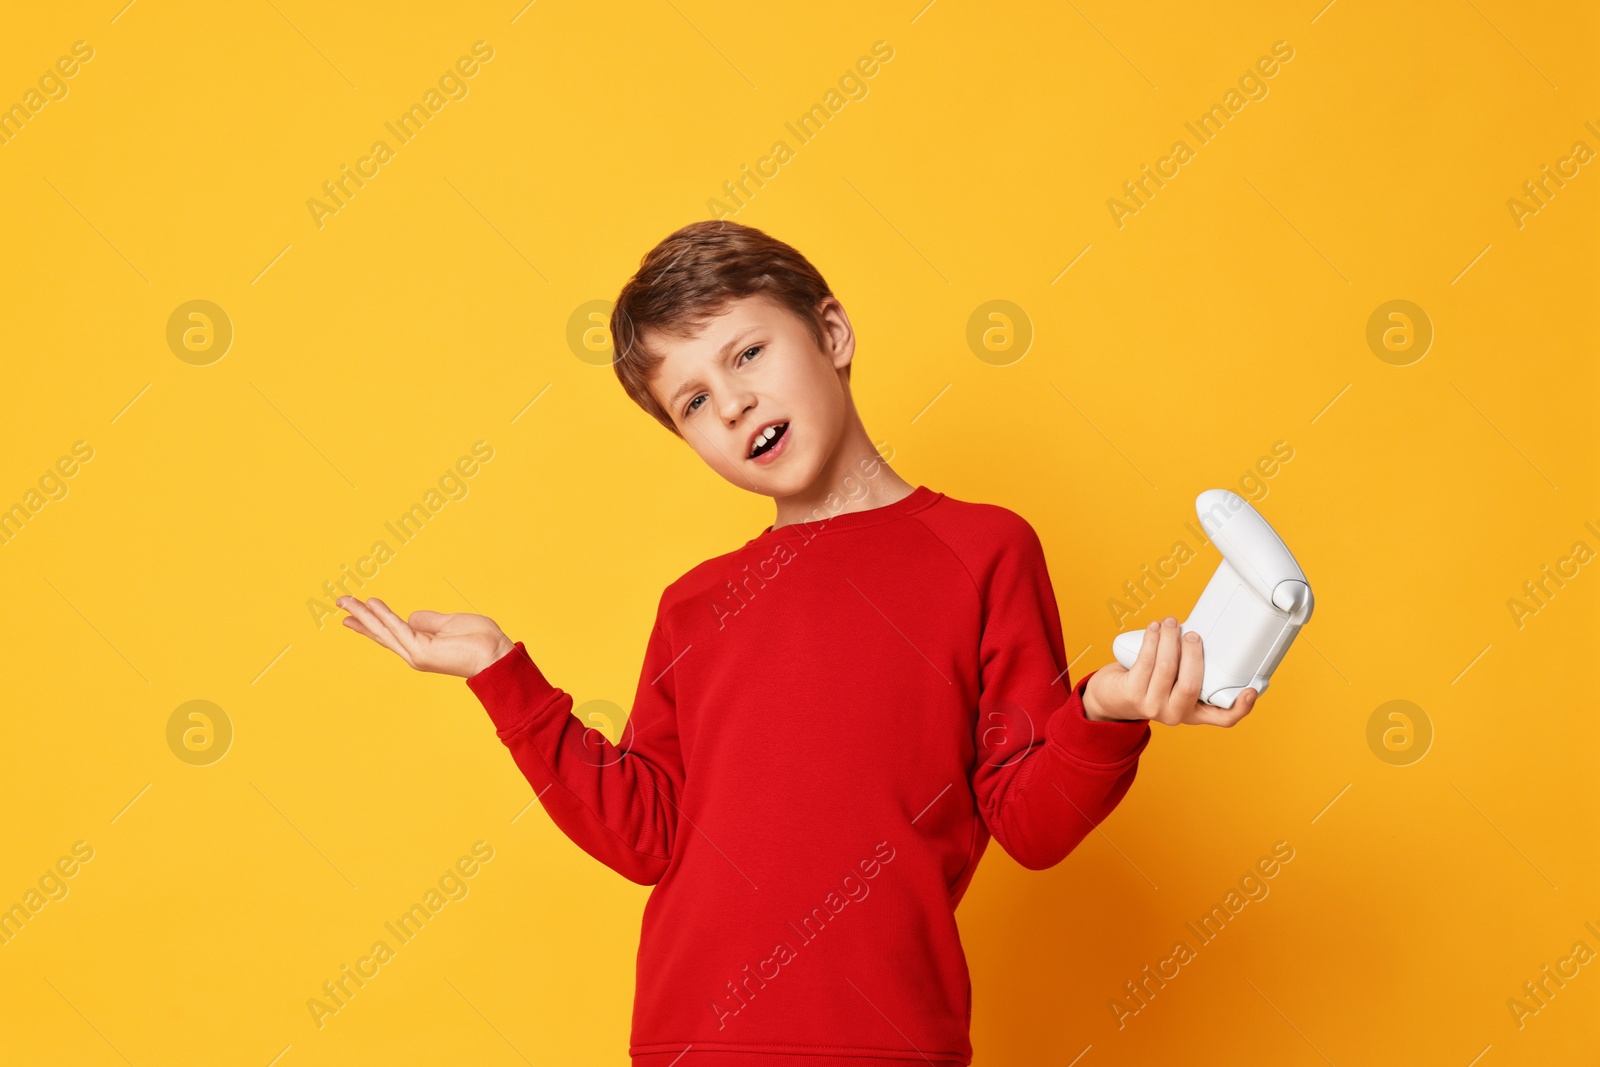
(1045, 775)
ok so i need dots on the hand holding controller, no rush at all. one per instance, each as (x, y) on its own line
(1162, 685)
(1250, 611)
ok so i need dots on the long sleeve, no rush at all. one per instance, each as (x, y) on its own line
(616, 802)
(1045, 774)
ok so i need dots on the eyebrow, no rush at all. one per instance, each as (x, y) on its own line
(694, 383)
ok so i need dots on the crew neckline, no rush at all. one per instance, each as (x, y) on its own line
(919, 497)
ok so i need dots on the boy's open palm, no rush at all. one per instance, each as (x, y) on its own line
(1163, 685)
(461, 644)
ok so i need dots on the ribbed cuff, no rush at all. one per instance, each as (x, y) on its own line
(1096, 740)
(512, 689)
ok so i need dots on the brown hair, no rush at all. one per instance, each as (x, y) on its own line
(692, 275)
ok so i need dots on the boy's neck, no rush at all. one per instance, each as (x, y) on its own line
(844, 485)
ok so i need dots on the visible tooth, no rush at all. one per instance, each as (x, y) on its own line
(763, 437)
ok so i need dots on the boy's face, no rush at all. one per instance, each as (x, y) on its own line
(753, 366)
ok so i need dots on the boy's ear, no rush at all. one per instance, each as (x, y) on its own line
(841, 336)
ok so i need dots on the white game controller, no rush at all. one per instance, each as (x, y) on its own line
(1249, 612)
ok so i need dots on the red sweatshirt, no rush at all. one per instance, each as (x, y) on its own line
(831, 722)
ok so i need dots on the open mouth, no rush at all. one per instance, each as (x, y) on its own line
(772, 443)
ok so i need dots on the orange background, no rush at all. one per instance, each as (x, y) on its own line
(437, 308)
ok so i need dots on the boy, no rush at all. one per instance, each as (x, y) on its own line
(833, 719)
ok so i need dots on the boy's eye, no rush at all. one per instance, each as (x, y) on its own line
(693, 405)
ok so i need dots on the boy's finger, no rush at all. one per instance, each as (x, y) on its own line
(403, 634)
(374, 627)
(1144, 663)
(1244, 705)
(1166, 667)
(1211, 715)
(427, 622)
(1191, 670)
(353, 623)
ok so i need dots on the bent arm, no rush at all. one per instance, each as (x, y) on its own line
(616, 802)
(1082, 770)
(1051, 774)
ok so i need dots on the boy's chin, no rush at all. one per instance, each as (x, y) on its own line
(789, 481)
